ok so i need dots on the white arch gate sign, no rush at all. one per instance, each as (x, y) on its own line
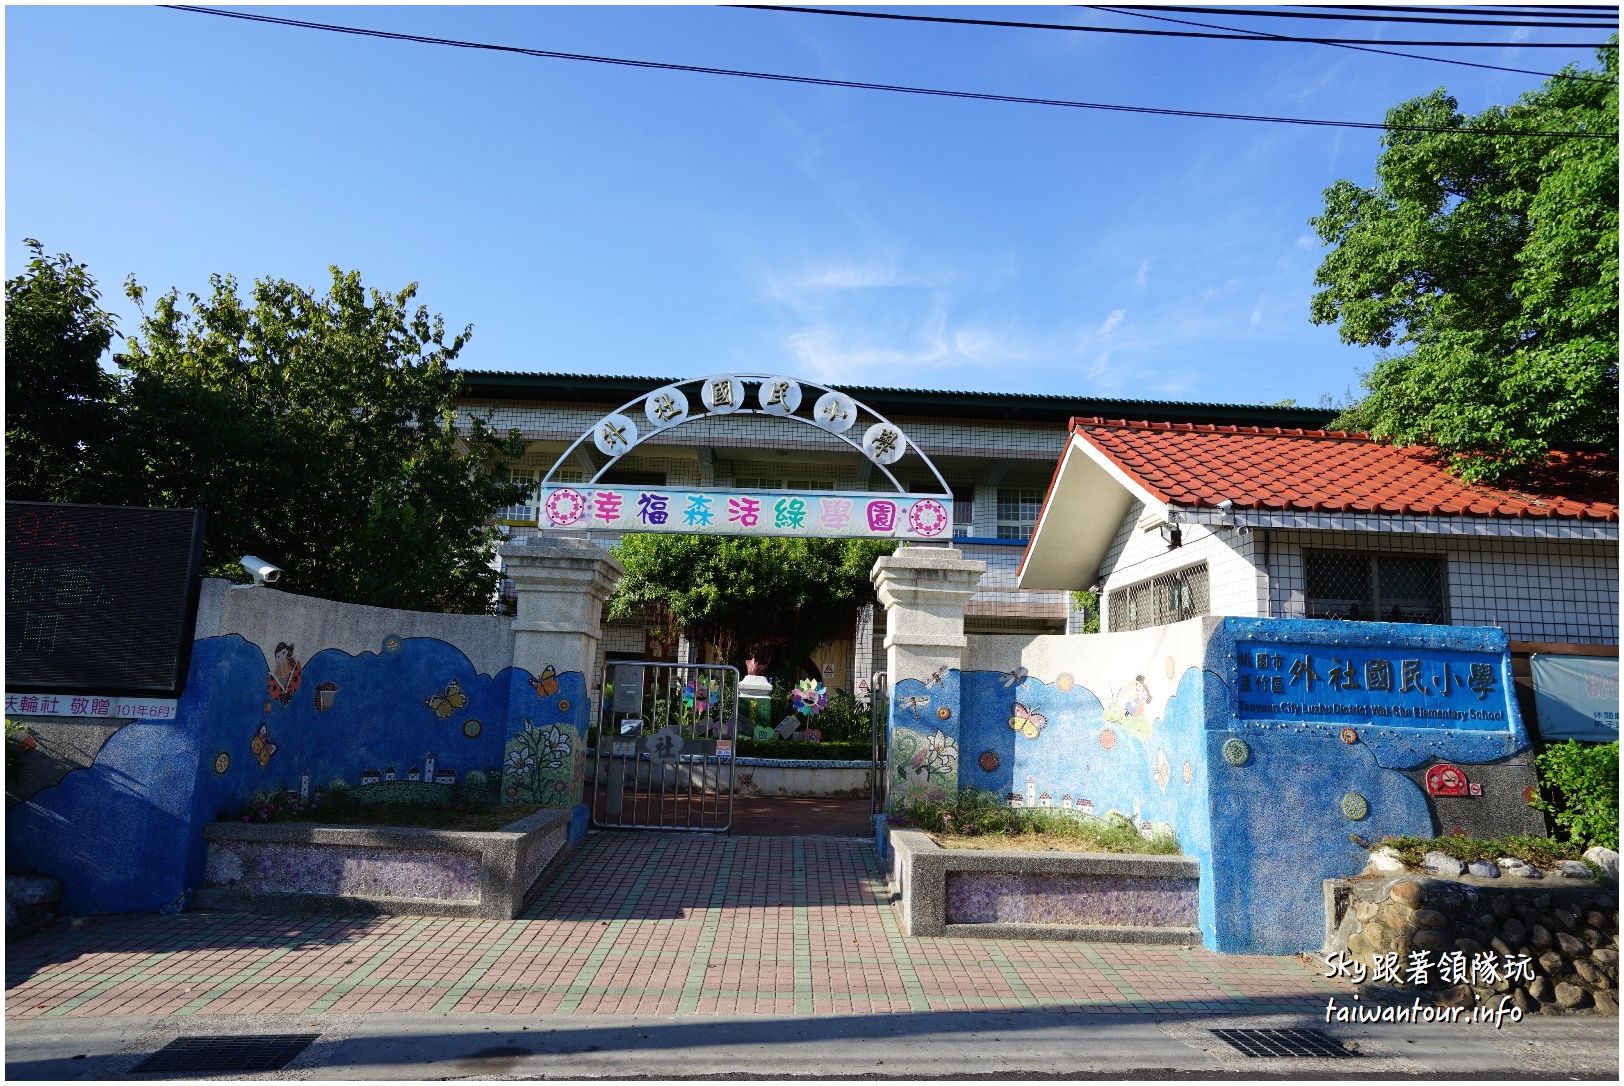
(926, 517)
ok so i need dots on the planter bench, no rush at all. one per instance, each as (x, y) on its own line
(308, 867)
(1008, 894)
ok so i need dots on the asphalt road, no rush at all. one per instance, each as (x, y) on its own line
(948, 1045)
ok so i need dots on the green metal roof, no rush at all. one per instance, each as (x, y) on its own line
(614, 390)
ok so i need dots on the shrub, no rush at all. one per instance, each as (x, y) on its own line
(1579, 789)
(975, 813)
(1539, 851)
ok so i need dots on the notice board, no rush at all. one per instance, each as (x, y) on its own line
(100, 598)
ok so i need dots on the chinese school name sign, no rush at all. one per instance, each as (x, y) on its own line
(680, 510)
(1399, 687)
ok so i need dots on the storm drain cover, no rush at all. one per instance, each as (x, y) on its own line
(188, 1056)
(1281, 1043)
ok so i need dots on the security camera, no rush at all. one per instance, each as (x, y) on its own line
(260, 570)
(1227, 504)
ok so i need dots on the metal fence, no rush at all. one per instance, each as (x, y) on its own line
(664, 745)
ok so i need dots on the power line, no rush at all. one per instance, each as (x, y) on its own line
(1260, 13)
(1577, 77)
(1567, 11)
(960, 21)
(817, 81)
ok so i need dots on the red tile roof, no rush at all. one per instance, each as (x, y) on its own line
(1271, 468)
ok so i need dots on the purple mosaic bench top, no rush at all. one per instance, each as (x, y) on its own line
(272, 867)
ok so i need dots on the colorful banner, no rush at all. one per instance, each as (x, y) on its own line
(1400, 688)
(691, 511)
(1576, 697)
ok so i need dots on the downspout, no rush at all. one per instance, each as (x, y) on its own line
(1261, 542)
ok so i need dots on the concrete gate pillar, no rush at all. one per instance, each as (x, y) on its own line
(924, 591)
(562, 584)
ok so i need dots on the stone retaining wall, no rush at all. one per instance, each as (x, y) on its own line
(1566, 928)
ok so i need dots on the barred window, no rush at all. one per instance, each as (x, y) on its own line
(1375, 587)
(1171, 597)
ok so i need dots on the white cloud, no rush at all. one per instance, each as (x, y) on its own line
(1111, 321)
(1141, 279)
(1257, 310)
(1307, 241)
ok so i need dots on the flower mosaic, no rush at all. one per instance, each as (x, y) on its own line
(539, 764)
(926, 766)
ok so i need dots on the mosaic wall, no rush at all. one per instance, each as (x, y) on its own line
(411, 721)
(1264, 745)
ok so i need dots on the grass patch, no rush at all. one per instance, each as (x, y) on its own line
(395, 803)
(1539, 851)
(977, 820)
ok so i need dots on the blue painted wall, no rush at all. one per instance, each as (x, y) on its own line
(1266, 832)
(126, 833)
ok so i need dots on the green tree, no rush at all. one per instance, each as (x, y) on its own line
(319, 432)
(57, 414)
(738, 593)
(1488, 266)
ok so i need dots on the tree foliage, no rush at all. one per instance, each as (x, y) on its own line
(57, 414)
(738, 593)
(1488, 265)
(319, 432)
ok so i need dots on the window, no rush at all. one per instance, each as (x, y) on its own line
(780, 482)
(1018, 511)
(1171, 597)
(524, 512)
(1375, 587)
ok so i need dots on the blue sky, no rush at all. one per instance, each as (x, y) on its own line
(596, 219)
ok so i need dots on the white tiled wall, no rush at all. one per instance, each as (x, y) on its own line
(1137, 555)
(1556, 590)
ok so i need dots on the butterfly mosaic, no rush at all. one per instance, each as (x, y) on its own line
(261, 747)
(443, 705)
(1029, 722)
(546, 684)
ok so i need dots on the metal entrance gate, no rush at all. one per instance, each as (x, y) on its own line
(879, 705)
(663, 757)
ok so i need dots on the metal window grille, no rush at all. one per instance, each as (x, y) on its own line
(1375, 587)
(1172, 597)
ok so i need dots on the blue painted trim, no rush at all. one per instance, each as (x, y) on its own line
(990, 541)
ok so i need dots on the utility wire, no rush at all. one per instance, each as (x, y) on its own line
(1566, 11)
(1063, 103)
(1262, 13)
(1577, 77)
(1232, 36)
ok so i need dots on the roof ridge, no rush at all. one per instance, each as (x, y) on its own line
(1097, 421)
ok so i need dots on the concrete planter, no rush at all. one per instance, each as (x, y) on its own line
(1040, 895)
(802, 777)
(305, 867)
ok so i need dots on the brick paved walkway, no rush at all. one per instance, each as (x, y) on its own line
(635, 924)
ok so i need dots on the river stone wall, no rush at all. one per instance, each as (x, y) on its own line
(1567, 929)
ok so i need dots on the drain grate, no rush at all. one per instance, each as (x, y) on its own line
(1281, 1043)
(188, 1056)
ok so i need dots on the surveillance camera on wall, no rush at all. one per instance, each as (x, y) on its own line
(1227, 504)
(260, 570)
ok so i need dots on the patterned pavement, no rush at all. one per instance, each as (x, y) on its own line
(637, 923)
